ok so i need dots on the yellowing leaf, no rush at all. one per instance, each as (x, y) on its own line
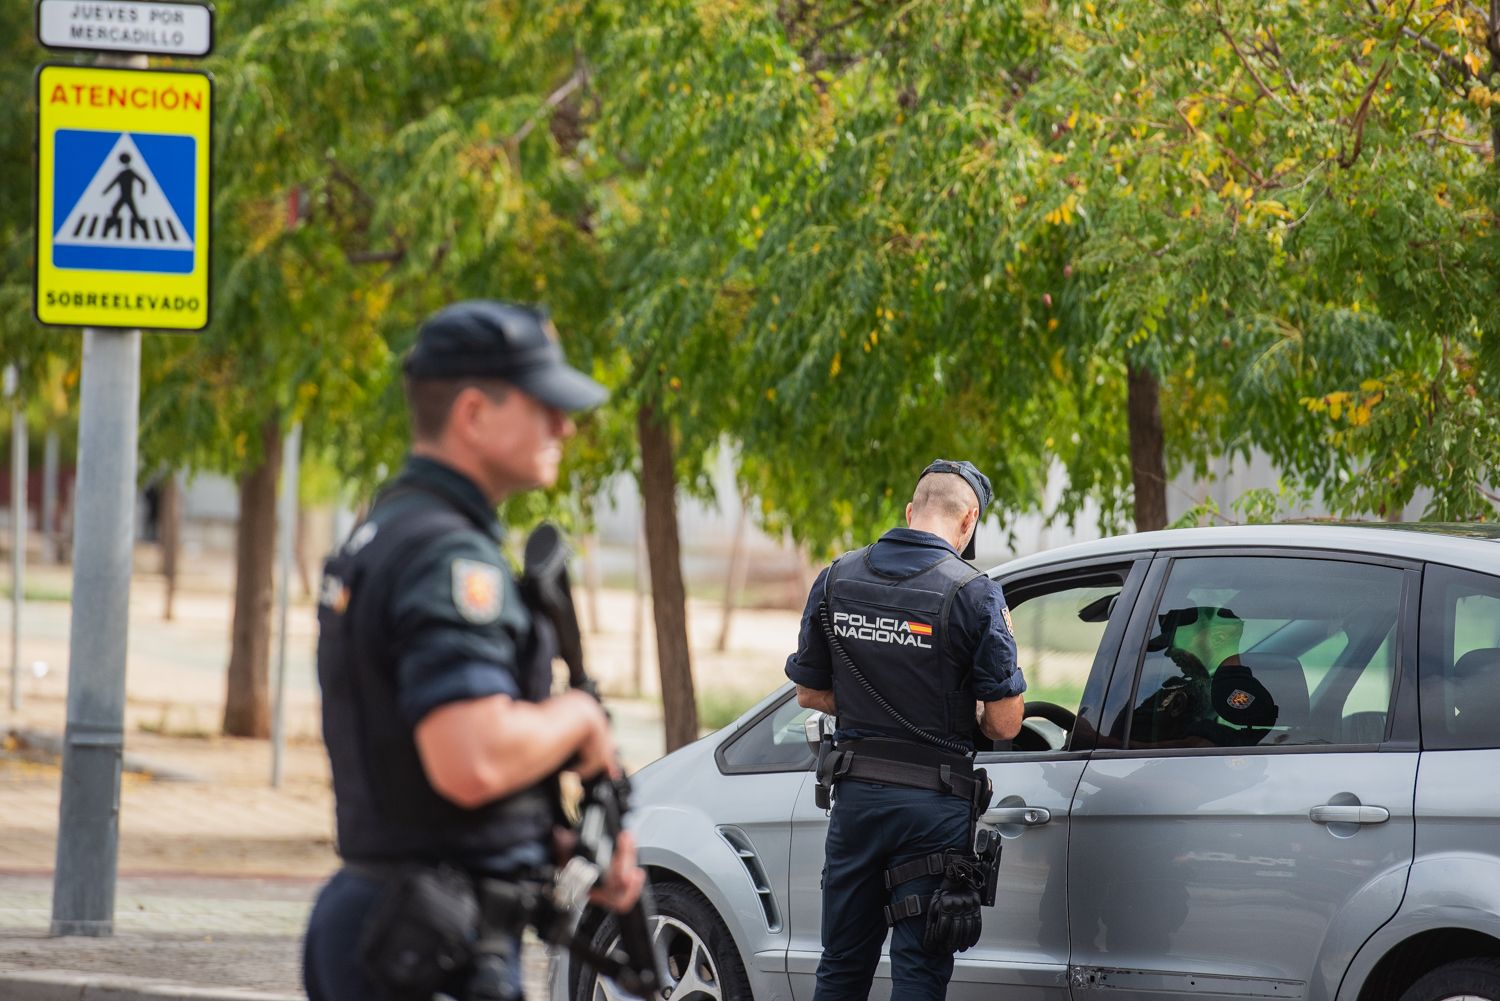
(1472, 60)
(1364, 49)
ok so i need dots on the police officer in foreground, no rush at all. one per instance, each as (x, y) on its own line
(441, 728)
(912, 649)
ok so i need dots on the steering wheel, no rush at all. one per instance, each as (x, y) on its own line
(1053, 713)
(1031, 740)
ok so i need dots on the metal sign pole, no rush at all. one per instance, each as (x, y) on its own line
(291, 460)
(49, 497)
(88, 834)
(18, 545)
(83, 888)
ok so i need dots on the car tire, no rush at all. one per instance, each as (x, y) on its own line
(1477, 979)
(702, 961)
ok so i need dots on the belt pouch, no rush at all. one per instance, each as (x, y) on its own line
(421, 933)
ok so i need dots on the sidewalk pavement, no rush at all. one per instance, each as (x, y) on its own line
(217, 870)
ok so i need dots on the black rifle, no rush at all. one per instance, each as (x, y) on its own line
(635, 964)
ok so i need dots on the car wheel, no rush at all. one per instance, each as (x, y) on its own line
(1465, 980)
(702, 962)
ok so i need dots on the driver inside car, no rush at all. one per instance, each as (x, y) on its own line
(1214, 700)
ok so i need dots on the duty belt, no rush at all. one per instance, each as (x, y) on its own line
(901, 763)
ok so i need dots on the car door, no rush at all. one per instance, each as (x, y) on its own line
(766, 764)
(1246, 821)
(1069, 622)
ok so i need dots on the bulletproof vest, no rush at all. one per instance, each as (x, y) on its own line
(896, 631)
(386, 808)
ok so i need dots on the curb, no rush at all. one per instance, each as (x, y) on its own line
(49, 985)
(47, 747)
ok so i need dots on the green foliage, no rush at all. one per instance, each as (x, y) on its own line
(845, 238)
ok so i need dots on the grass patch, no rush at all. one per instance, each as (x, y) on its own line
(720, 707)
(1064, 694)
(29, 593)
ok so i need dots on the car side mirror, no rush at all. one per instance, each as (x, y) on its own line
(816, 726)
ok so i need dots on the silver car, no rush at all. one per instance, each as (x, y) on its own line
(1258, 762)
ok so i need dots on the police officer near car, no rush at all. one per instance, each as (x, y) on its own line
(442, 731)
(912, 649)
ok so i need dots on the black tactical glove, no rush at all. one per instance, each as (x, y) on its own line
(953, 912)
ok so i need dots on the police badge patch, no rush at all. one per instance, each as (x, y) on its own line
(478, 591)
(1005, 611)
(1239, 699)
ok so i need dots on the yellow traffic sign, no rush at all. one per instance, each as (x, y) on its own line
(122, 235)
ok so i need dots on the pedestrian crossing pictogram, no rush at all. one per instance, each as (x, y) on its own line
(132, 202)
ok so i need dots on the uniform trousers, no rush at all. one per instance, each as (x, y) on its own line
(874, 827)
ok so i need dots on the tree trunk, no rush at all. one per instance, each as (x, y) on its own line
(1148, 463)
(247, 707)
(668, 598)
(169, 532)
(299, 554)
(642, 593)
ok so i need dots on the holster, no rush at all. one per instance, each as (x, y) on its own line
(422, 933)
(953, 918)
(953, 909)
(823, 773)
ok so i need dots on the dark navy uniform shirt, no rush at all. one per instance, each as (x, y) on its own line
(444, 652)
(977, 620)
(452, 627)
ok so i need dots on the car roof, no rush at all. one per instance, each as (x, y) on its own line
(1471, 546)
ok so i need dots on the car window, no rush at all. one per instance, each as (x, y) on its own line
(1460, 659)
(1059, 626)
(1057, 635)
(1268, 651)
(774, 742)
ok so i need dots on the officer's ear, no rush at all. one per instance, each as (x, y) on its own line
(908, 515)
(468, 407)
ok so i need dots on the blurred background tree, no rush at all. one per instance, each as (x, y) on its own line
(1096, 243)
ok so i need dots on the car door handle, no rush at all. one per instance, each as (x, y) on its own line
(1349, 815)
(1030, 816)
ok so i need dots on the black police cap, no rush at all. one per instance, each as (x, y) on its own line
(483, 338)
(977, 482)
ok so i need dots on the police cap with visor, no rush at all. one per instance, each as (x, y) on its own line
(977, 482)
(483, 338)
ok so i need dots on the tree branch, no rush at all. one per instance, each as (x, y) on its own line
(554, 99)
(1251, 172)
(1245, 60)
(1452, 61)
(375, 256)
(1362, 115)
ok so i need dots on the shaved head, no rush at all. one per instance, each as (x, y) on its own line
(943, 495)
